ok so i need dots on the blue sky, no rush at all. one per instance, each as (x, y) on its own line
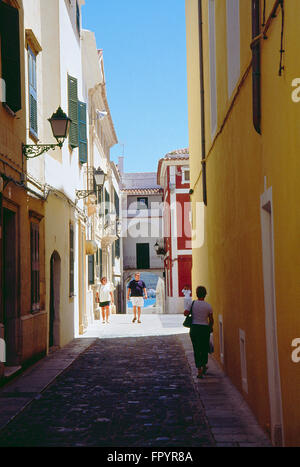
(144, 46)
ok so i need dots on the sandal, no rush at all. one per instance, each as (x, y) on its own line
(134, 320)
(139, 321)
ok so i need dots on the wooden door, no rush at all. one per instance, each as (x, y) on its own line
(142, 256)
(10, 286)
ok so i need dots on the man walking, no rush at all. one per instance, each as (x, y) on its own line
(137, 291)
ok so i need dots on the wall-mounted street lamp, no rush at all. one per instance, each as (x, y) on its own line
(159, 249)
(60, 125)
(119, 228)
(99, 177)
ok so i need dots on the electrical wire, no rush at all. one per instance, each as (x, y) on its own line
(282, 51)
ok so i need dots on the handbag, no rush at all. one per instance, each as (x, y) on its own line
(211, 344)
(189, 319)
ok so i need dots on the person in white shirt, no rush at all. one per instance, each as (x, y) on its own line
(202, 326)
(105, 297)
(187, 296)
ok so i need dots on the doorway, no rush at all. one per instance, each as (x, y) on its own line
(155, 302)
(142, 256)
(10, 287)
(54, 308)
(270, 319)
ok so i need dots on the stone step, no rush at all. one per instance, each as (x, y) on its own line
(10, 371)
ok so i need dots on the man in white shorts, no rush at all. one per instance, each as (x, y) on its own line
(137, 291)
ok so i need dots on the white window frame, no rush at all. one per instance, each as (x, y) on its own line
(183, 172)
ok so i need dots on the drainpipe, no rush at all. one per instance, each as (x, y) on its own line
(256, 70)
(203, 145)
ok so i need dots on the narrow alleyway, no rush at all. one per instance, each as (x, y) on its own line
(126, 392)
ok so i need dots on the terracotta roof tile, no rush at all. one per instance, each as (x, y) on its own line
(142, 191)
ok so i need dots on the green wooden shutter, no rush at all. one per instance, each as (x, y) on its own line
(33, 123)
(91, 276)
(73, 111)
(10, 55)
(118, 248)
(82, 132)
(35, 266)
(106, 204)
(71, 258)
(100, 262)
(117, 203)
(113, 253)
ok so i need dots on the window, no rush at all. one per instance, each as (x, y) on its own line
(10, 55)
(117, 203)
(142, 203)
(71, 257)
(113, 253)
(32, 82)
(233, 44)
(99, 263)
(91, 275)
(35, 266)
(117, 248)
(78, 127)
(82, 132)
(107, 202)
(212, 67)
(73, 111)
(185, 175)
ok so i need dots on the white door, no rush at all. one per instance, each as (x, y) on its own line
(270, 319)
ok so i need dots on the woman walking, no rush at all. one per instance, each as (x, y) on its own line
(202, 326)
(105, 297)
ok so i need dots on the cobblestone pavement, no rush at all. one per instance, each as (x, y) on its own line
(136, 391)
(126, 385)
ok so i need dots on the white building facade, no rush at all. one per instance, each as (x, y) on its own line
(142, 226)
(102, 206)
(65, 69)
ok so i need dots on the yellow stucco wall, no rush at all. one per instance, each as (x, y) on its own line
(240, 165)
(58, 215)
(30, 334)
